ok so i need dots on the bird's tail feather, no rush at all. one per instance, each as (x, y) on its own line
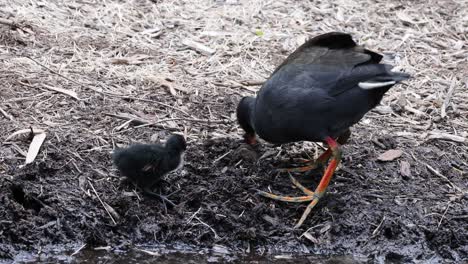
(386, 80)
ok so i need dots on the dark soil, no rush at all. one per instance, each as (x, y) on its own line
(72, 194)
(370, 208)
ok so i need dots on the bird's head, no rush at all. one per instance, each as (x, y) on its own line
(176, 143)
(244, 117)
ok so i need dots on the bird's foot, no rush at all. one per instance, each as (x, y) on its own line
(310, 164)
(310, 196)
(315, 196)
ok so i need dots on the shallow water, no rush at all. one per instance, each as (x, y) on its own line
(146, 256)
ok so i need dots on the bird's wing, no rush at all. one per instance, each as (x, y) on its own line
(317, 51)
(335, 63)
(136, 158)
(152, 162)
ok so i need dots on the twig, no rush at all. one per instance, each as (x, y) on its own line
(4, 113)
(8, 22)
(436, 172)
(198, 47)
(184, 119)
(447, 99)
(194, 214)
(78, 250)
(150, 101)
(378, 227)
(103, 205)
(436, 135)
(205, 224)
(252, 83)
(222, 156)
(234, 84)
(414, 111)
(52, 71)
(443, 216)
(151, 253)
(129, 117)
(60, 90)
(89, 86)
(145, 123)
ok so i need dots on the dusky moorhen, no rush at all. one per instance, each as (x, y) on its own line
(320, 90)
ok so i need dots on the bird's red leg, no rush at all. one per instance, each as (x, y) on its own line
(322, 159)
(325, 181)
(321, 188)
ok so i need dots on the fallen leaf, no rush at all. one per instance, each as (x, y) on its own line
(24, 131)
(259, 33)
(167, 83)
(390, 155)
(405, 17)
(219, 249)
(271, 220)
(34, 147)
(405, 169)
(72, 94)
(111, 211)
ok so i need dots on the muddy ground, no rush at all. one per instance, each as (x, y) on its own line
(128, 65)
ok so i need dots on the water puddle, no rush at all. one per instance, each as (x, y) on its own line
(165, 256)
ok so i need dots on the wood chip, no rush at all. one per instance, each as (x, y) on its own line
(390, 155)
(164, 83)
(133, 60)
(217, 33)
(61, 90)
(405, 169)
(273, 221)
(383, 109)
(448, 97)
(197, 46)
(310, 238)
(5, 114)
(149, 252)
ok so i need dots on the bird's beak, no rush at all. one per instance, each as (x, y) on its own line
(250, 139)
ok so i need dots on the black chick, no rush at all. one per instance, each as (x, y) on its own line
(146, 164)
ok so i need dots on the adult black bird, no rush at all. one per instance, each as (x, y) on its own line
(324, 87)
(146, 164)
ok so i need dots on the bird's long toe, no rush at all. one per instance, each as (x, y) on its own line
(299, 199)
(320, 162)
(300, 186)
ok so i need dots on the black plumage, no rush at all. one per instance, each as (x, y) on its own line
(322, 89)
(146, 164)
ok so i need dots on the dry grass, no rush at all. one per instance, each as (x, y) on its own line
(113, 49)
(128, 65)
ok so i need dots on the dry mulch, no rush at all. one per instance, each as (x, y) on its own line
(95, 75)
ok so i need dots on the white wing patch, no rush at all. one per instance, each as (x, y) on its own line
(372, 85)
